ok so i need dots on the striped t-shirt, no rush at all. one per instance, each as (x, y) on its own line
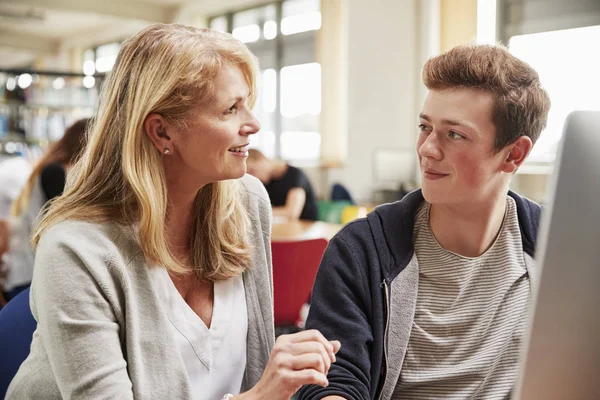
(470, 317)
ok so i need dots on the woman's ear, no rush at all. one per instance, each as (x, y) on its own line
(518, 152)
(156, 128)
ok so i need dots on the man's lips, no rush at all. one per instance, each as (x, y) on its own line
(433, 171)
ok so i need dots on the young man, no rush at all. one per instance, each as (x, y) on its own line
(290, 191)
(429, 295)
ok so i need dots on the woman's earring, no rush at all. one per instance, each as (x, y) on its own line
(167, 151)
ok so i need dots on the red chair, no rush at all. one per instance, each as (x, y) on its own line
(295, 265)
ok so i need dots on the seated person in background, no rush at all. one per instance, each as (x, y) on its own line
(289, 189)
(14, 172)
(430, 295)
(152, 275)
(46, 181)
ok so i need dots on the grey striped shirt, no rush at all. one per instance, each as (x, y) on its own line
(470, 317)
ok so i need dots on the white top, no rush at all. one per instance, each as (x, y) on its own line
(470, 317)
(17, 262)
(14, 173)
(215, 358)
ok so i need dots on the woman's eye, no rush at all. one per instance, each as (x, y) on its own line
(231, 109)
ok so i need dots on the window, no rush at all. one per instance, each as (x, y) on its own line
(300, 110)
(300, 16)
(98, 60)
(106, 55)
(255, 24)
(283, 38)
(568, 65)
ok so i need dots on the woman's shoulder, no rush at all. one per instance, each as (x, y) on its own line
(254, 188)
(255, 194)
(256, 200)
(103, 240)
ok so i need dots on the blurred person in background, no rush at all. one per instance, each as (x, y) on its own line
(292, 196)
(153, 275)
(14, 172)
(45, 182)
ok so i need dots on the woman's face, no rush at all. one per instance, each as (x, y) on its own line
(213, 145)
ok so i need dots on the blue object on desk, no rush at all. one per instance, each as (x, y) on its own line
(16, 331)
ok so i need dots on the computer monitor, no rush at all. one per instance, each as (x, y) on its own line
(561, 360)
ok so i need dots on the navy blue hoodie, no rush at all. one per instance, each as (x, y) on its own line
(352, 290)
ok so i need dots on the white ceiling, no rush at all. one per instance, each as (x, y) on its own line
(33, 28)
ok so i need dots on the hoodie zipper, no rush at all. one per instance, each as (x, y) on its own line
(385, 335)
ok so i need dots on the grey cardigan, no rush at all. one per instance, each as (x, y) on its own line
(101, 330)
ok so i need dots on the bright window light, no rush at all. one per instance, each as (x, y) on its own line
(58, 83)
(265, 142)
(247, 33)
(219, 24)
(268, 92)
(568, 67)
(301, 90)
(270, 30)
(89, 67)
(24, 81)
(486, 21)
(300, 145)
(11, 84)
(104, 64)
(301, 23)
(89, 82)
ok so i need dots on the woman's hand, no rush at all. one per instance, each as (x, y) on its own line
(302, 358)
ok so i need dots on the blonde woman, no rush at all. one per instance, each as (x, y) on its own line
(153, 271)
(45, 182)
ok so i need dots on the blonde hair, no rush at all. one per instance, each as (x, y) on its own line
(65, 151)
(521, 105)
(164, 69)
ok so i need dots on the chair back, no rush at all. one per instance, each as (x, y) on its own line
(331, 211)
(295, 265)
(350, 213)
(339, 192)
(16, 331)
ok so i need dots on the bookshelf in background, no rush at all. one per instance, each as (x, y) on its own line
(37, 106)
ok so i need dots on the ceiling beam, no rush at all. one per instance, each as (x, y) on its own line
(130, 9)
(35, 44)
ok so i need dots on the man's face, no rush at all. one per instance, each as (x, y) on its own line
(456, 148)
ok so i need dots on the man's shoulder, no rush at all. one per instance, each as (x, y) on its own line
(529, 213)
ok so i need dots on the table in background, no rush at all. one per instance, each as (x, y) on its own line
(303, 230)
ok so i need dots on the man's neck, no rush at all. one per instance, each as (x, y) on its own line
(467, 230)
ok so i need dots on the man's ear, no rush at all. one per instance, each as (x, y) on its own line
(517, 153)
(156, 128)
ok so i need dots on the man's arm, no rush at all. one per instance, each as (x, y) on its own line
(294, 203)
(340, 309)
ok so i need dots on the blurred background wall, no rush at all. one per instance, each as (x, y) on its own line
(341, 87)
